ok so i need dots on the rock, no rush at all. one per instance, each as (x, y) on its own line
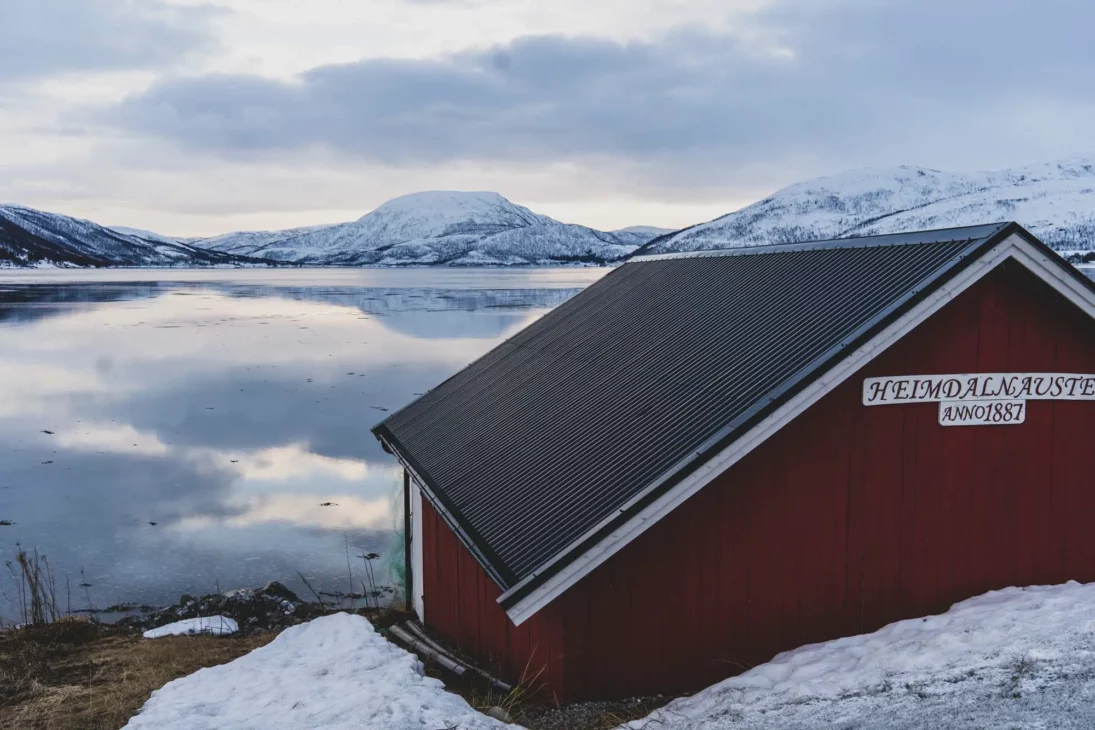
(499, 714)
(272, 607)
(139, 623)
(273, 588)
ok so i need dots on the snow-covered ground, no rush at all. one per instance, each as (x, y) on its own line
(1015, 658)
(215, 625)
(334, 673)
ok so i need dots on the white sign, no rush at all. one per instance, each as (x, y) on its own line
(980, 386)
(982, 412)
(978, 399)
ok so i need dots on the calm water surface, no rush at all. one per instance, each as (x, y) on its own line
(199, 419)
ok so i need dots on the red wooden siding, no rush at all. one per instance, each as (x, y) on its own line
(847, 519)
(461, 605)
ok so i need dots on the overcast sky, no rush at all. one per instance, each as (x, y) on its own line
(195, 118)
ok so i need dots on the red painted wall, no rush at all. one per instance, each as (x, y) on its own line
(460, 602)
(846, 520)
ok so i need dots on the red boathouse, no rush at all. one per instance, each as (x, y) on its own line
(705, 459)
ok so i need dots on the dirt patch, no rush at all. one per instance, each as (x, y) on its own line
(528, 708)
(530, 705)
(588, 715)
(76, 675)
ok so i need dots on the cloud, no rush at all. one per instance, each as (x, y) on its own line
(113, 439)
(42, 38)
(292, 463)
(38, 383)
(848, 81)
(345, 512)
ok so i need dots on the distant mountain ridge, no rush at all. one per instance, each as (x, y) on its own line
(422, 229)
(30, 238)
(239, 242)
(1055, 201)
(151, 235)
(440, 228)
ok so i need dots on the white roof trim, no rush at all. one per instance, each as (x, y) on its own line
(417, 558)
(1015, 246)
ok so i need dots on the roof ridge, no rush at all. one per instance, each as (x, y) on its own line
(969, 233)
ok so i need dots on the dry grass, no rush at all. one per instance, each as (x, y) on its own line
(530, 704)
(78, 675)
(75, 675)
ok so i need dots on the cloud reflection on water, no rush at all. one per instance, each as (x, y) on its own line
(226, 414)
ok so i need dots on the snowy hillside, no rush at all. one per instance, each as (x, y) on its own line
(1015, 658)
(151, 235)
(30, 237)
(1055, 201)
(440, 227)
(639, 235)
(245, 243)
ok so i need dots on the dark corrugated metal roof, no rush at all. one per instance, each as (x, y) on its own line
(550, 433)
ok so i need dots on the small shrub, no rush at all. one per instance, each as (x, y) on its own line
(36, 588)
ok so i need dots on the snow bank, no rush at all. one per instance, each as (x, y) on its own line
(334, 673)
(216, 625)
(1015, 658)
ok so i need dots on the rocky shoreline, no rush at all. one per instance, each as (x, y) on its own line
(270, 608)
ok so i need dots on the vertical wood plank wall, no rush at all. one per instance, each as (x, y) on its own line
(461, 605)
(846, 520)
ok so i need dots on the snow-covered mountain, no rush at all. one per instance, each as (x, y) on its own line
(431, 228)
(31, 237)
(639, 235)
(246, 242)
(440, 228)
(151, 235)
(1055, 201)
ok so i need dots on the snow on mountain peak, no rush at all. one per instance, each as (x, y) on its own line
(438, 212)
(444, 203)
